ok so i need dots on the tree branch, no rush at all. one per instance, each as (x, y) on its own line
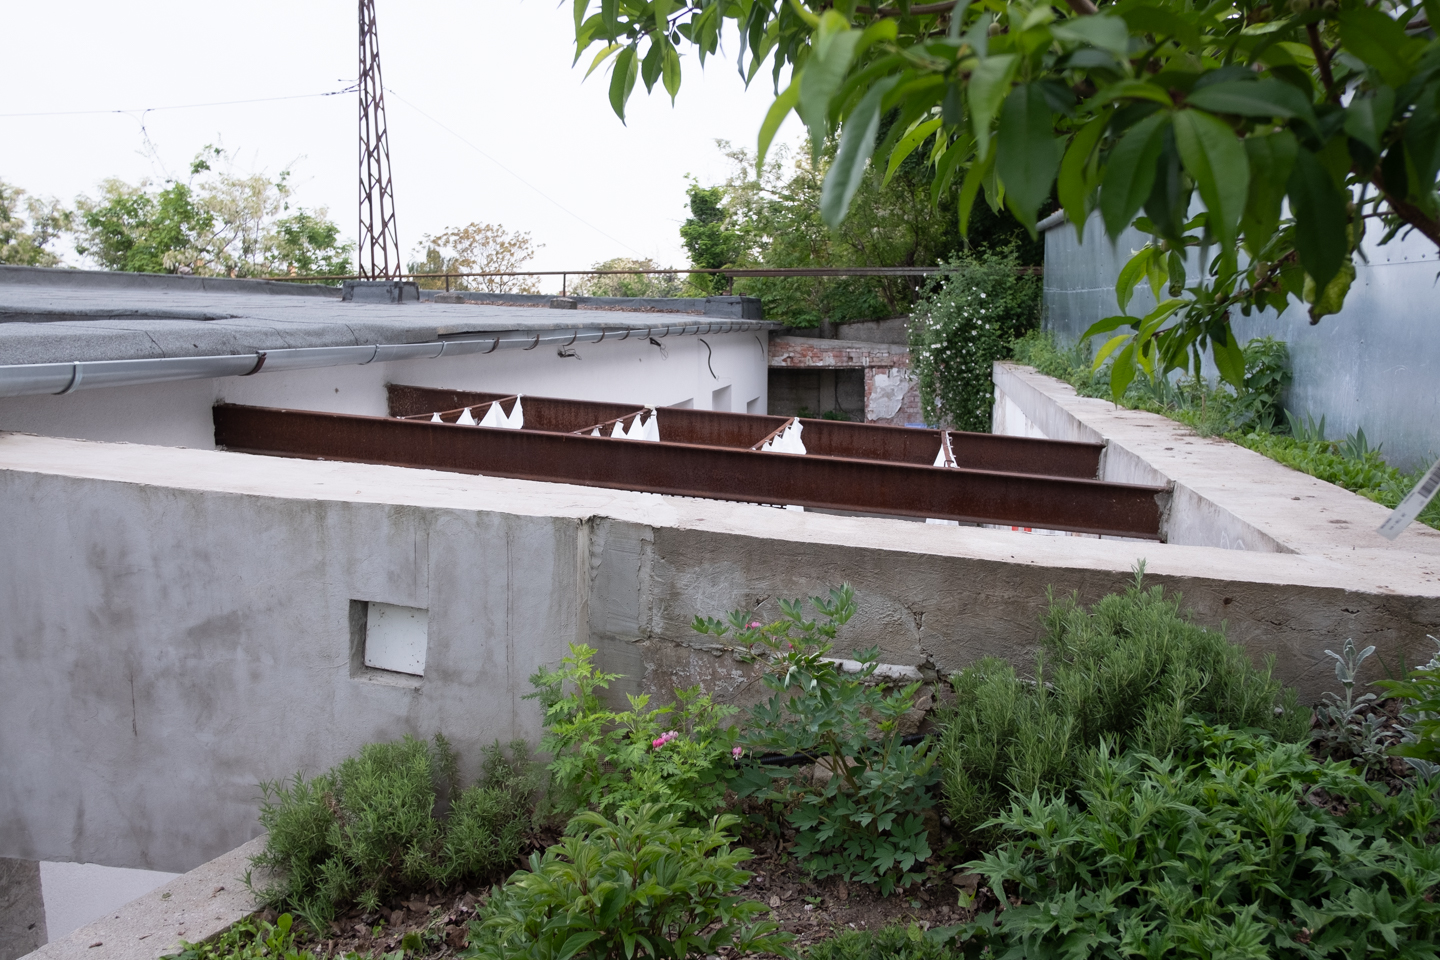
(1322, 60)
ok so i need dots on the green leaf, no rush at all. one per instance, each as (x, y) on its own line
(1367, 117)
(1110, 346)
(1271, 156)
(989, 83)
(1380, 41)
(1320, 218)
(622, 80)
(831, 52)
(1131, 274)
(1130, 173)
(1132, 90)
(1214, 156)
(578, 942)
(857, 141)
(1105, 326)
(1254, 98)
(908, 144)
(1098, 30)
(775, 116)
(1026, 155)
(602, 56)
(1332, 297)
(1123, 371)
(969, 187)
(1229, 359)
(671, 73)
(1077, 172)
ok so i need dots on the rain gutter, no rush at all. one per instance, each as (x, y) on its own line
(29, 379)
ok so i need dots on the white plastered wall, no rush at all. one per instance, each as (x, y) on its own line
(682, 371)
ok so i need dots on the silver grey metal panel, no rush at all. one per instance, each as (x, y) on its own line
(1375, 365)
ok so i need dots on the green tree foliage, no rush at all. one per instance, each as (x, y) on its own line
(1130, 670)
(28, 225)
(213, 224)
(960, 327)
(775, 208)
(666, 284)
(1137, 106)
(477, 248)
(711, 242)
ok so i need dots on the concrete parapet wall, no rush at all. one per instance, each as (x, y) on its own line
(179, 622)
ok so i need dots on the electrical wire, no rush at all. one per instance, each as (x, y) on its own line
(182, 106)
(512, 173)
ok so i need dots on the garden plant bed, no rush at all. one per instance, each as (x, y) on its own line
(1141, 752)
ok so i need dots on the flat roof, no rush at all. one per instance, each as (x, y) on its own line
(52, 315)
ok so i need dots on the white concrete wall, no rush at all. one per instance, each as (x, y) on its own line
(677, 373)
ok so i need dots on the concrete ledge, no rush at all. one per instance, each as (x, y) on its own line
(193, 907)
(1224, 495)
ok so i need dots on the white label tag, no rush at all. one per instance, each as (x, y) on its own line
(1413, 503)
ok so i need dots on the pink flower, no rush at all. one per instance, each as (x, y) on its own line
(737, 752)
(753, 624)
(663, 739)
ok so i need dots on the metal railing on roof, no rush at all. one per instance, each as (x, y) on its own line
(733, 273)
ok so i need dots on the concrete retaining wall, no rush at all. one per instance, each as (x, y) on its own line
(178, 622)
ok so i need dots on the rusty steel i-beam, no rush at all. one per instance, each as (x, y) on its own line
(717, 472)
(742, 431)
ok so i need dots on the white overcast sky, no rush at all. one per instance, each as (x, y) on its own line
(497, 72)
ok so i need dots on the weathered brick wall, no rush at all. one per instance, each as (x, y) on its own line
(891, 396)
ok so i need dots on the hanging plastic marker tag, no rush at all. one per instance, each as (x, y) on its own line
(1413, 503)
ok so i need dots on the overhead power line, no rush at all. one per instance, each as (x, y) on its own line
(182, 106)
(542, 193)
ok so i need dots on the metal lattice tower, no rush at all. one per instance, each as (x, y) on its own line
(379, 252)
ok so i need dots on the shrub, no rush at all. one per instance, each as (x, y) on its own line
(888, 943)
(1419, 693)
(677, 755)
(248, 939)
(640, 886)
(1130, 669)
(368, 826)
(864, 821)
(1229, 851)
(960, 328)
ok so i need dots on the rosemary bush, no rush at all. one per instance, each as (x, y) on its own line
(1130, 669)
(368, 826)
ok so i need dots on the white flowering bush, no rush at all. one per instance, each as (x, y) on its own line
(963, 325)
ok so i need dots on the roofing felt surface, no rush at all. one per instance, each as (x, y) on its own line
(58, 316)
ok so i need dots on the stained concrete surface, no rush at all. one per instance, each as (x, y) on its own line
(80, 893)
(22, 908)
(194, 906)
(177, 627)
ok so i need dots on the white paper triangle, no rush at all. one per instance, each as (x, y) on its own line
(595, 432)
(618, 431)
(652, 427)
(940, 457)
(466, 420)
(493, 417)
(435, 418)
(516, 420)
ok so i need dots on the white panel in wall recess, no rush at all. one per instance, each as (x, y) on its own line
(720, 399)
(395, 637)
